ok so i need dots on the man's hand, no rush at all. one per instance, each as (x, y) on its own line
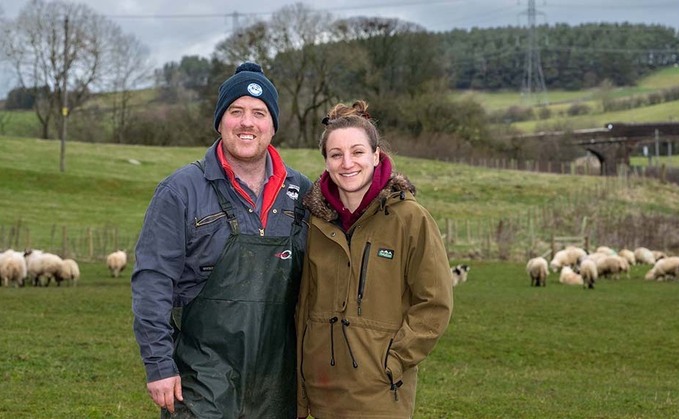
(165, 391)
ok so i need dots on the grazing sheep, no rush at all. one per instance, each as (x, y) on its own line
(629, 255)
(588, 272)
(664, 268)
(69, 272)
(566, 257)
(116, 262)
(657, 254)
(13, 268)
(459, 274)
(644, 256)
(612, 266)
(42, 265)
(538, 271)
(605, 250)
(569, 277)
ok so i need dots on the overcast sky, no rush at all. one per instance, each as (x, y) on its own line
(174, 28)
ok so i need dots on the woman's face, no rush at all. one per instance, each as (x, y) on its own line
(350, 160)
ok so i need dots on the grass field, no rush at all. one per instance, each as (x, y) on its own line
(108, 186)
(511, 351)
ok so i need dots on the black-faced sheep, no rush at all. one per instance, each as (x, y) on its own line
(69, 272)
(116, 262)
(42, 266)
(664, 268)
(569, 277)
(459, 274)
(13, 268)
(538, 271)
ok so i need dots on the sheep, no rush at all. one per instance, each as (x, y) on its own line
(569, 277)
(612, 266)
(605, 250)
(664, 268)
(538, 271)
(644, 256)
(657, 254)
(69, 272)
(588, 272)
(42, 265)
(116, 262)
(12, 268)
(629, 255)
(459, 274)
(566, 257)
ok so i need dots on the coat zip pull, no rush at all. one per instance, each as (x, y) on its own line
(394, 386)
(345, 324)
(363, 275)
(333, 320)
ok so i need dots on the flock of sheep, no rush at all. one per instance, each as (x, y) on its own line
(40, 268)
(578, 267)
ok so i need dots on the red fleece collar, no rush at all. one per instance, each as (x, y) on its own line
(271, 188)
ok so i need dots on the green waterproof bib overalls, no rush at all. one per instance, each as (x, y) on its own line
(236, 348)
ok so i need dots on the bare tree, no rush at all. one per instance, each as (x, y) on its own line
(131, 69)
(64, 47)
(287, 47)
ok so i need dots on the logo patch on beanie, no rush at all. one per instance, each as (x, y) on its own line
(255, 89)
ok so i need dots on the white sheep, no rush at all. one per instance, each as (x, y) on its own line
(13, 268)
(567, 257)
(569, 277)
(612, 266)
(42, 265)
(657, 254)
(116, 262)
(538, 271)
(459, 273)
(664, 268)
(629, 255)
(605, 250)
(588, 272)
(69, 272)
(644, 256)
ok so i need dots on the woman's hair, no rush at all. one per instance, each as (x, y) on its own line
(354, 116)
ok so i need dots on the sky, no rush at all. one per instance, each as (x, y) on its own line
(172, 29)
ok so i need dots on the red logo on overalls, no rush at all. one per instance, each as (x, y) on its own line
(286, 254)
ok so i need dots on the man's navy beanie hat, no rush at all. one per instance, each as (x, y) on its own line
(248, 80)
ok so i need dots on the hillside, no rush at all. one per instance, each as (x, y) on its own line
(106, 188)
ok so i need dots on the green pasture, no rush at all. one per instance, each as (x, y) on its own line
(511, 350)
(108, 187)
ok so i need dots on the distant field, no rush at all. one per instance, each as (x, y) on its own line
(106, 188)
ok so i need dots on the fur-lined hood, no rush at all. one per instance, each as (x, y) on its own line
(319, 207)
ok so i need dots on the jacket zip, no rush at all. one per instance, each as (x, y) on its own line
(345, 324)
(363, 275)
(333, 320)
(394, 386)
(209, 219)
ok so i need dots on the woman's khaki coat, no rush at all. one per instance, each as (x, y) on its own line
(371, 306)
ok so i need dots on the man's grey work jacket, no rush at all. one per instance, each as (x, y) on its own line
(183, 234)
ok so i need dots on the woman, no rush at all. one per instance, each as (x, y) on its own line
(376, 291)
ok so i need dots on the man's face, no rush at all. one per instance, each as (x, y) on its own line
(247, 129)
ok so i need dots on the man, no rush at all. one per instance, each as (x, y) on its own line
(217, 268)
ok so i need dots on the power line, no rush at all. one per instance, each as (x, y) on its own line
(533, 79)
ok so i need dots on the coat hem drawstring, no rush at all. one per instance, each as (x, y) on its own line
(345, 324)
(333, 320)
